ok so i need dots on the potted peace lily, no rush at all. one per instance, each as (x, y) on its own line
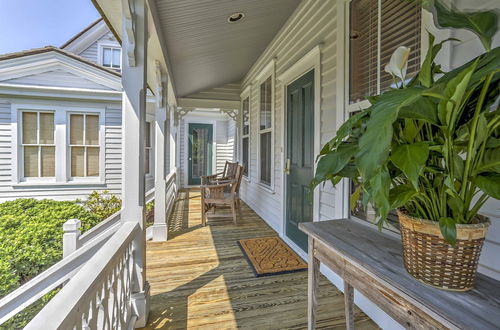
(430, 149)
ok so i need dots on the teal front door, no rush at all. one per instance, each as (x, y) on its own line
(299, 156)
(200, 152)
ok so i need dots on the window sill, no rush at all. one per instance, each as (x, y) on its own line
(58, 184)
(266, 188)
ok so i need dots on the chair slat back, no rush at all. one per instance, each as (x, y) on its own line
(235, 188)
(230, 170)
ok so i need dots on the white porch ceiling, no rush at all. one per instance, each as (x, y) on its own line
(205, 51)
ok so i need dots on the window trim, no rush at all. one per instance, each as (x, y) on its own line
(268, 71)
(243, 96)
(36, 179)
(100, 53)
(152, 128)
(69, 145)
(61, 140)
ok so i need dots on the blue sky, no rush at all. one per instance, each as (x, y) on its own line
(26, 24)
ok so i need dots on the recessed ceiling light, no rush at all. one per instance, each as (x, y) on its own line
(236, 17)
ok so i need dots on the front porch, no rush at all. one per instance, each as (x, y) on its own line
(200, 279)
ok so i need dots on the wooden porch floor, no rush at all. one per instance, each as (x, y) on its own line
(200, 279)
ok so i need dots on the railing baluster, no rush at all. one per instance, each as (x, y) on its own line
(99, 295)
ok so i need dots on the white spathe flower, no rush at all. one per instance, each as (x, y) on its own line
(399, 62)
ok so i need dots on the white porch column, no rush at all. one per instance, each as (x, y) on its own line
(160, 221)
(172, 143)
(177, 138)
(134, 60)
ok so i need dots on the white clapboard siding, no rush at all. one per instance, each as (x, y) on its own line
(91, 53)
(5, 148)
(112, 170)
(313, 22)
(225, 143)
(57, 78)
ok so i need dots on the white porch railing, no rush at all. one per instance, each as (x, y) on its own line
(78, 250)
(50, 279)
(99, 295)
(111, 223)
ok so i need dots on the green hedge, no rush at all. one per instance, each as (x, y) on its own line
(31, 240)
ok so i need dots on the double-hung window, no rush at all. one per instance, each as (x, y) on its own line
(38, 144)
(245, 135)
(376, 29)
(147, 153)
(84, 145)
(111, 57)
(265, 131)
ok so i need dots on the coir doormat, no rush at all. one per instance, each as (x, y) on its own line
(271, 256)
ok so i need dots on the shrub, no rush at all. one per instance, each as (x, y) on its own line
(31, 241)
(150, 213)
(103, 204)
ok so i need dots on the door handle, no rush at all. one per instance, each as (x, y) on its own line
(287, 167)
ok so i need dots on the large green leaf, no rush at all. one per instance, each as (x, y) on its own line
(483, 24)
(333, 162)
(457, 208)
(400, 195)
(375, 143)
(454, 93)
(354, 197)
(422, 108)
(448, 229)
(489, 183)
(344, 131)
(491, 161)
(487, 63)
(411, 158)
(379, 186)
(426, 74)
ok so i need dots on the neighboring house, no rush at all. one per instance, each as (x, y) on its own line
(61, 120)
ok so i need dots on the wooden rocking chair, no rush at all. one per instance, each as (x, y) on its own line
(221, 193)
(229, 173)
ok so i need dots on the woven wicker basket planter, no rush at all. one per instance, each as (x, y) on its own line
(430, 259)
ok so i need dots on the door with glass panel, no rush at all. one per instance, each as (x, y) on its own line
(200, 152)
(299, 156)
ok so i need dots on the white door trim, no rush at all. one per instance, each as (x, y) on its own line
(310, 61)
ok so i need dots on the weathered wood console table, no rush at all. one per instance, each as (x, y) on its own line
(371, 262)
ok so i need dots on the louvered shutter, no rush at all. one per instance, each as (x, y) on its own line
(363, 49)
(400, 26)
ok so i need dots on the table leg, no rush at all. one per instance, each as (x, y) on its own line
(312, 286)
(349, 305)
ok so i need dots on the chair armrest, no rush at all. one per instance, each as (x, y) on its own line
(214, 186)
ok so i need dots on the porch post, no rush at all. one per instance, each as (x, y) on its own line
(134, 59)
(177, 139)
(160, 221)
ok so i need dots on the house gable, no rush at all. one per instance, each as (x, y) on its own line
(53, 68)
(87, 43)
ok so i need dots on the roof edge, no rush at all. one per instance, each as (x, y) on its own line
(47, 49)
(79, 34)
